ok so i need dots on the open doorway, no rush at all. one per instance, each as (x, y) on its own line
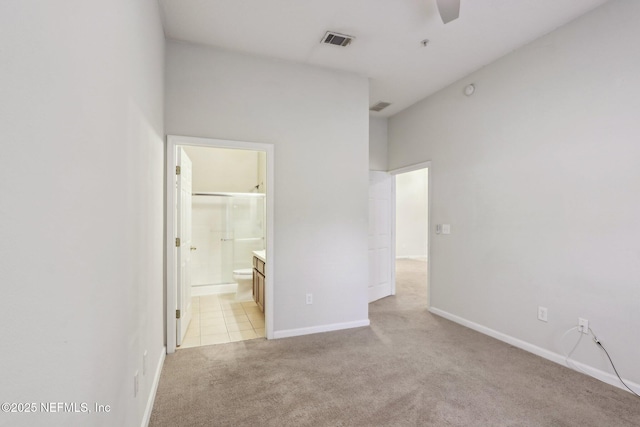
(411, 190)
(399, 232)
(219, 233)
(227, 221)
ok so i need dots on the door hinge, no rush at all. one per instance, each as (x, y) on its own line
(177, 242)
(177, 314)
(177, 170)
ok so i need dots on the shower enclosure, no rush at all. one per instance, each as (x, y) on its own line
(227, 228)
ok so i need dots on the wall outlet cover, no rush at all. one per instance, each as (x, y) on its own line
(542, 313)
(583, 325)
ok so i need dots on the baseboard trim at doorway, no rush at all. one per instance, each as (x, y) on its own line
(154, 389)
(318, 329)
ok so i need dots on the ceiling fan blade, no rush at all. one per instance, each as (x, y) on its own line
(449, 9)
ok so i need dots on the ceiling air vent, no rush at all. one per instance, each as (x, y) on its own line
(336, 39)
(379, 106)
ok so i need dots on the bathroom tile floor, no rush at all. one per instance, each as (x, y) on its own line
(219, 319)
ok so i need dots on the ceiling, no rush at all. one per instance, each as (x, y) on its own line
(388, 33)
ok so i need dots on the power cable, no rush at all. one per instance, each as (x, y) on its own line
(597, 341)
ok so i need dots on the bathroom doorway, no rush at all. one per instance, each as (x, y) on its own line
(212, 239)
(411, 193)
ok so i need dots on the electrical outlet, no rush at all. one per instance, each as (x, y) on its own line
(583, 325)
(542, 313)
(309, 299)
(135, 384)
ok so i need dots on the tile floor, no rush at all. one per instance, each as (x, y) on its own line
(219, 319)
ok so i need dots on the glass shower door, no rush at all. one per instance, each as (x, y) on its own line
(226, 242)
(247, 217)
(227, 228)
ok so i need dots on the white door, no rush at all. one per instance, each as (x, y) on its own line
(381, 281)
(183, 228)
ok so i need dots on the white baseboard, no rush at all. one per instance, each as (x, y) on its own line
(322, 328)
(154, 389)
(414, 257)
(538, 351)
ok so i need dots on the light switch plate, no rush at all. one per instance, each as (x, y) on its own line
(446, 228)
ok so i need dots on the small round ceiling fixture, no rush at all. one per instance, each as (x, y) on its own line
(469, 89)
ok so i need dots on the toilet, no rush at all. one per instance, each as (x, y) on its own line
(244, 278)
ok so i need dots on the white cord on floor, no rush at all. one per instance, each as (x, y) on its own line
(567, 356)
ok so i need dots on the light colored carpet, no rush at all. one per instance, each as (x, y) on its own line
(410, 368)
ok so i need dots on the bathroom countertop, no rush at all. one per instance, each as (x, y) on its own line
(261, 255)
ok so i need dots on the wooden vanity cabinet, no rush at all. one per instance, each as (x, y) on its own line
(258, 282)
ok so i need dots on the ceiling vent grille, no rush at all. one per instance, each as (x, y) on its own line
(337, 39)
(379, 106)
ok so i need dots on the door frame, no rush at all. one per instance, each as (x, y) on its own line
(170, 250)
(395, 172)
(183, 253)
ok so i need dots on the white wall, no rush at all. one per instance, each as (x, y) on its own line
(220, 169)
(81, 207)
(411, 214)
(538, 175)
(318, 121)
(378, 158)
